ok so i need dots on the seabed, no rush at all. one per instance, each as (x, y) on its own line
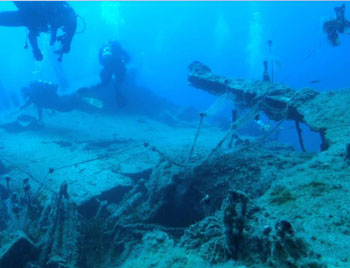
(121, 190)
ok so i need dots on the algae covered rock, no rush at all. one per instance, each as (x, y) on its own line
(158, 250)
(207, 238)
(235, 233)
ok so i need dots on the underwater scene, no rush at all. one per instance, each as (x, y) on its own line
(174, 134)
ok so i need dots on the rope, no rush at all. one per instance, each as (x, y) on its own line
(163, 155)
(52, 170)
(29, 175)
(84, 162)
(251, 114)
(96, 158)
(202, 115)
(240, 121)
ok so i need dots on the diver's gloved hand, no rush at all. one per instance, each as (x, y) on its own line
(65, 48)
(65, 45)
(60, 55)
(38, 55)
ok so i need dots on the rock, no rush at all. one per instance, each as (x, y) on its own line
(91, 207)
(207, 237)
(17, 251)
(235, 213)
(174, 194)
(57, 262)
(235, 233)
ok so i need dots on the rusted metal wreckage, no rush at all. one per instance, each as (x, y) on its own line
(325, 112)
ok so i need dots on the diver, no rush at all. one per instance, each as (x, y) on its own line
(44, 95)
(43, 17)
(336, 26)
(266, 76)
(113, 58)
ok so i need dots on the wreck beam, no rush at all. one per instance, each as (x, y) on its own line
(326, 112)
(273, 98)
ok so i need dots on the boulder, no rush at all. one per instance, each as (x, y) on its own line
(17, 251)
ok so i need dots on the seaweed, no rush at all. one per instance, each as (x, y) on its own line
(281, 196)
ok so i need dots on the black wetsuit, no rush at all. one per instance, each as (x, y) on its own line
(266, 76)
(44, 95)
(335, 26)
(43, 16)
(113, 58)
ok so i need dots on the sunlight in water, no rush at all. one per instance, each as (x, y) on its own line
(221, 33)
(254, 46)
(111, 15)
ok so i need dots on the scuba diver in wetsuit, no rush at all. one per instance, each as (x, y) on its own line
(44, 95)
(335, 26)
(43, 16)
(266, 76)
(113, 58)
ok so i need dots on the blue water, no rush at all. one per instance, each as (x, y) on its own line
(163, 38)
